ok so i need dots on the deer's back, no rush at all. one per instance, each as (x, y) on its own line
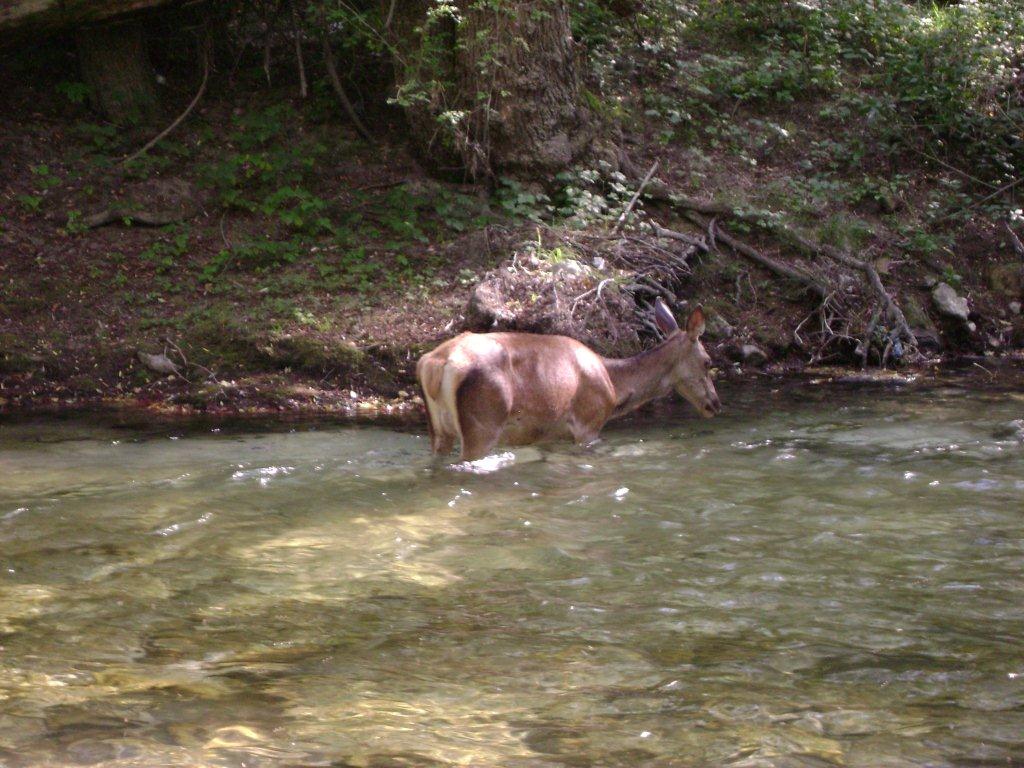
(542, 373)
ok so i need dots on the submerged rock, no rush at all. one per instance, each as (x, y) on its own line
(1011, 429)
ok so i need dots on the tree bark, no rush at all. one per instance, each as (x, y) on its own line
(501, 88)
(116, 68)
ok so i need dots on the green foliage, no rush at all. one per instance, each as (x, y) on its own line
(75, 225)
(519, 202)
(101, 139)
(164, 252)
(75, 92)
(44, 178)
(941, 79)
(30, 203)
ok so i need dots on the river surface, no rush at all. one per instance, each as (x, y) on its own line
(819, 577)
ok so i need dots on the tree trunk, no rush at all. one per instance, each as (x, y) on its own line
(116, 68)
(495, 92)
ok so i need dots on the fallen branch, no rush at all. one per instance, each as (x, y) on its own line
(600, 286)
(332, 73)
(1018, 246)
(636, 196)
(211, 376)
(964, 208)
(865, 345)
(145, 218)
(188, 110)
(390, 16)
(671, 234)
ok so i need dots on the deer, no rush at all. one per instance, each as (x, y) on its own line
(486, 389)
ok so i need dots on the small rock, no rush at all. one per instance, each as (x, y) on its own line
(569, 267)
(1015, 307)
(751, 354)
(949, 303)
(599, 263)
(158, 363)
(717, 327)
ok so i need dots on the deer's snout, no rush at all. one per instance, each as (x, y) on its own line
(712, 405)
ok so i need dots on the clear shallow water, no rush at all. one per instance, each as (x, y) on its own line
(817, 578)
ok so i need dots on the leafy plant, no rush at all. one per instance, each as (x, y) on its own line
(30, 202)
(75, 224)
(74, 91)
(164, 252)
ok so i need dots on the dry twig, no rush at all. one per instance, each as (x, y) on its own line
(188, 110)
(636, 196)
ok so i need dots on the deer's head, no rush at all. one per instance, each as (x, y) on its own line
(691, 374)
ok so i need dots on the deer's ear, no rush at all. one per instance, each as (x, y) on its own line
(663, 318)
(695, 325)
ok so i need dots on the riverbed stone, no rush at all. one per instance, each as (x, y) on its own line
(950, 303)
(1015, 307)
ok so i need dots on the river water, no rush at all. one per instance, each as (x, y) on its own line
(819, 577)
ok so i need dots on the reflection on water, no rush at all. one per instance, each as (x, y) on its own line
(814, 579)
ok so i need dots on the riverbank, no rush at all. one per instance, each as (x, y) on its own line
(260, 398)
(266, 259)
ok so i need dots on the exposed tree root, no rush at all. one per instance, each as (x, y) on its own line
(813, 283)
(811, 248)
(817, 281)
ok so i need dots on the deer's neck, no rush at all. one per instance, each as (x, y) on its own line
(644, 377)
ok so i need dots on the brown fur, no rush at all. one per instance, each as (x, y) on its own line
(521, 388)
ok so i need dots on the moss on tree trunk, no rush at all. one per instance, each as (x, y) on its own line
(115, 66)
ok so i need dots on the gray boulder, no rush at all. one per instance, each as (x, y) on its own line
(949, 303)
